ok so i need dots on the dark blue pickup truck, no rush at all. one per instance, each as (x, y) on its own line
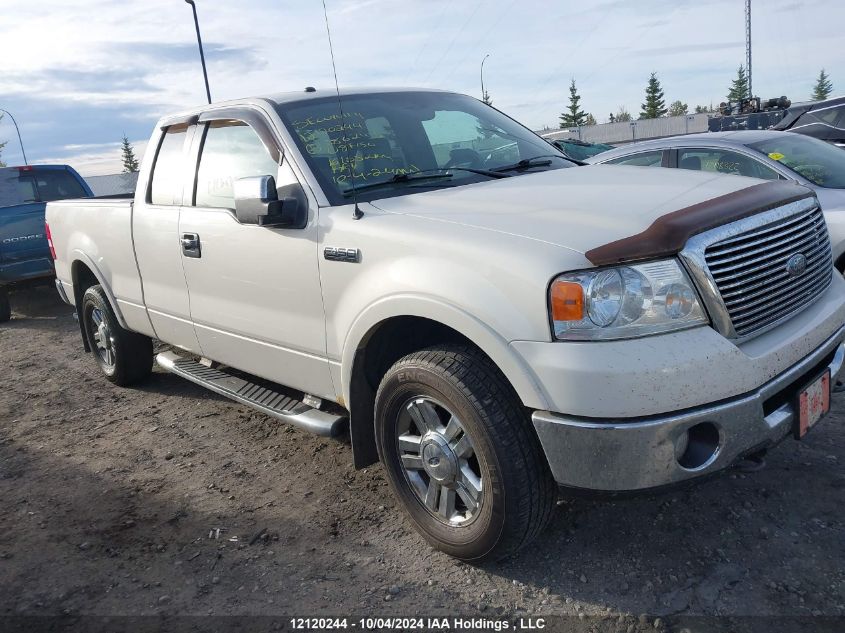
(24, 249)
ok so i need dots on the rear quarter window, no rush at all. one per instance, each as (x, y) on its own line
(643, 159)
(168, 177)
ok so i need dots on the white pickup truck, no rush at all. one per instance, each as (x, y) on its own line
(485, 317)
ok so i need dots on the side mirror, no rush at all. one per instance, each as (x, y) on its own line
(257, 202)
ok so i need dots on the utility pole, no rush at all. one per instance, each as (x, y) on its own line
(483, 94)
(17, 129)
(748, 45)
(202, 55)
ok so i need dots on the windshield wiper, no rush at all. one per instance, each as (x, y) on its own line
(535, 161)
(397, 178)
(473, 170)
(422, 174)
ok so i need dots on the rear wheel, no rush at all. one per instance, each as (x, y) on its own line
(124, 357)
(461, 455)
(5, 306)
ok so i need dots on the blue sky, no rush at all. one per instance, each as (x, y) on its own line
(78, 75)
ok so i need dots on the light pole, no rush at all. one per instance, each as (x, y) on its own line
(202, 55)
(483, 94)
(19, 134)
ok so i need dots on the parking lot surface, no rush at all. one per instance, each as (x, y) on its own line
(168, 499)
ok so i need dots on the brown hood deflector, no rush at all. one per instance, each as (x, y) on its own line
(668, 234)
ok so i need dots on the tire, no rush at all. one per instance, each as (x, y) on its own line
(5, 306)
(471, 401)
(125, 357)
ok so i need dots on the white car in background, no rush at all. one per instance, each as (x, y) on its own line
(765, 154)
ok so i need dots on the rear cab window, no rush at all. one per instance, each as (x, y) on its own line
(27, 185)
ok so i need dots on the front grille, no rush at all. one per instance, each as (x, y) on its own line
(750, 270)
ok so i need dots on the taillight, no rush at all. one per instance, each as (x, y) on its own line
(50, 241)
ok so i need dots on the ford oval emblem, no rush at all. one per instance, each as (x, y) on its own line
(796, 265)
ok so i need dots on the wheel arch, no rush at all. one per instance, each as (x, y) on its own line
(381, 336)
(84, 274)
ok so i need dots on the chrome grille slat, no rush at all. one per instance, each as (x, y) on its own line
(762, 249)
(738, 270)
(749, 270)
(764, 295)
(768, 228)
(740, 308)
(793, 306)
(795, 232)
(782, 228)
(813, 255)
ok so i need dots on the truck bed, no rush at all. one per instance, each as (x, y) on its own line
(102, 229)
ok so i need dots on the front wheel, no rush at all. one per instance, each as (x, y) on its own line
(461, 455)
(124, 357)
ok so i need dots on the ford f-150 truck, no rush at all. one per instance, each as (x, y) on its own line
(489, 320)
(24, 193)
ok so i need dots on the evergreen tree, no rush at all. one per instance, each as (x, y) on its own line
(130, 163)
(486, 98)
(611, 118)
(823, 88)
(622, 115)
(739, 86)
(575, 116)
(678, 108)
(655, 105)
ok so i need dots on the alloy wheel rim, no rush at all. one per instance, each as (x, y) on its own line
(103, 339)
(439, 461)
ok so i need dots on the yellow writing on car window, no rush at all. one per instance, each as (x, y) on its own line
(314, 122)
(375, 173)
(776, 156)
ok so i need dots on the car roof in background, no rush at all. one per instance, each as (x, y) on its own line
(33, 167)
(721, 139)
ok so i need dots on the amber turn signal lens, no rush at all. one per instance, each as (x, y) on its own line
(567, 301)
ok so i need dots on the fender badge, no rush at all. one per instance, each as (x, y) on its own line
(335, 254)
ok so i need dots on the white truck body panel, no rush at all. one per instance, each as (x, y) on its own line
(477, 258)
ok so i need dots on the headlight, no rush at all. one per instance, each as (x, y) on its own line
(624, 302)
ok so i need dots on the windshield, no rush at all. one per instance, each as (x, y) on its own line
(383, 135)
(819, 162)
(22, 186)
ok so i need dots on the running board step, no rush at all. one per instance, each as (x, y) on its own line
(267, 401)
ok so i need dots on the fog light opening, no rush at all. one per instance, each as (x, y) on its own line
(700, 445)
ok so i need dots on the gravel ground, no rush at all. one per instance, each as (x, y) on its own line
(112, 500)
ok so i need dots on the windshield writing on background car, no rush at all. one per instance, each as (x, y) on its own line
(817, 161)
(383, 136)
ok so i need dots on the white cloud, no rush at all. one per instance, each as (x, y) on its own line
(105, 68)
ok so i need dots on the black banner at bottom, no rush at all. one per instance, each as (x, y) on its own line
(619, 623)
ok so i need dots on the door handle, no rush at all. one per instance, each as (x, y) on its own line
(191, 245)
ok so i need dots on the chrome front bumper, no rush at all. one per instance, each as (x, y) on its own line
(614, 455)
